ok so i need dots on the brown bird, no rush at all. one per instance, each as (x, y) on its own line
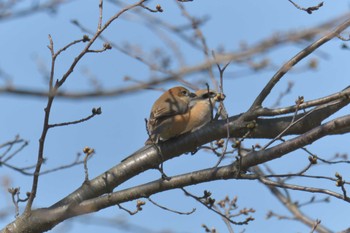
(197, 113)
(163, 120)
(178, 111)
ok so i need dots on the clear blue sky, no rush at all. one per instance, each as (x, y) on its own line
(115, 134)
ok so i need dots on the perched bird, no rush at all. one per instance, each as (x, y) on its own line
(197, 114)
(163, 120)
(176, 112)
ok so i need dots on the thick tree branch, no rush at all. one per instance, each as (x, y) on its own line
(148, 158)
(225, 172)
(88, 197)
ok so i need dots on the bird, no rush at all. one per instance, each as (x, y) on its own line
(198, 113)
(166, 110)
(176, 112)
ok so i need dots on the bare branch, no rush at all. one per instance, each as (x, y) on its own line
(95, 111)
(309, 10)
(50, 6)
(167, 209)
(287, 66)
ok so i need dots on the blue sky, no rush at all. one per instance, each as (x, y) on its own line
(120, 129)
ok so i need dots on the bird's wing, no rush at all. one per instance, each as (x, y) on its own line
(163, 110)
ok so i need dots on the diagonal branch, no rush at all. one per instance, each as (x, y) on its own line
(224, 172)
(89, 197)
(292, 62)
(147, 157)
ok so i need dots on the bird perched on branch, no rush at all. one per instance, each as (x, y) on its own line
(179, 111)
(163, 118)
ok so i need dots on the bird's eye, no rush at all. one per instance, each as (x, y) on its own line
(184, 92)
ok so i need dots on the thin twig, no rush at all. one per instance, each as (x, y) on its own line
(24, 144)
(139, 205)
(100, 6)
(174, 211)
(305, 189)
(222, 110)
(314, 228)
(201, 37)
(88, 153)
(310, 9)
(93, 39)
(292, 123)
(212, 209)
(95, 111)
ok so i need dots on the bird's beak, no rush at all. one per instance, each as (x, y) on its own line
(192, 95)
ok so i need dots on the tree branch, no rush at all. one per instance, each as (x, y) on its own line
(288, 65)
